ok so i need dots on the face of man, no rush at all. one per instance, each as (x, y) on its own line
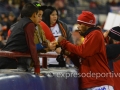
(38, 17)
(40, 14)
(82, 28)
(112, 41)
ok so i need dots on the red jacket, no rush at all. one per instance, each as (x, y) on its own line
(93, 60)
(116, 78)
(48, 33)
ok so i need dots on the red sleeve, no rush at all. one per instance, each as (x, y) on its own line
(116, 78)
(91, 45)
(48, 33)
(9, 32)
(29, 32)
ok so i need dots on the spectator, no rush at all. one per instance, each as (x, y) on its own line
(93, 60)
(12, 18)
(57, 27)
(5, 26)
(113, 52)
(42, 44)
(22, 39)
(40, 40)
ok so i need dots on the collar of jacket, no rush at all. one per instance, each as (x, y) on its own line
(90, 30)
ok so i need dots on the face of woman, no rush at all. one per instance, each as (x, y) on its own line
(53, 17)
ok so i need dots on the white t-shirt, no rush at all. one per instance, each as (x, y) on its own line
(56, 32)
(103, 87)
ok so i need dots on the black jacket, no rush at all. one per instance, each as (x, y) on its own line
(18, 43)
(112, 50)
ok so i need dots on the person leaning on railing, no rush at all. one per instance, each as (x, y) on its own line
(22, 38)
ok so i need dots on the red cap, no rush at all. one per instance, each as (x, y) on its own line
(87, 18)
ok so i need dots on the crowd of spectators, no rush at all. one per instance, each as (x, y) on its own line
(9, 14)
(68, 10)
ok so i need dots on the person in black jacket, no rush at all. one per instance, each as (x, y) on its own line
(112, 38)
(113, 43)
(22, 38)
(113, 53)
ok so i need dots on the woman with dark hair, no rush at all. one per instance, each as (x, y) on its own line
(50, 17)
(57, 27)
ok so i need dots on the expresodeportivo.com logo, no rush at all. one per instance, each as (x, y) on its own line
(89, 74)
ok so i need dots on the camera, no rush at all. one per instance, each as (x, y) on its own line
(60, 59)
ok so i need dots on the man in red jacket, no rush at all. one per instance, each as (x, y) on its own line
(90, 57)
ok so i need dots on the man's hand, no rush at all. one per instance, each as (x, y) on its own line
(52, 45)
(58, 50)
(60, 38)
(66, 53)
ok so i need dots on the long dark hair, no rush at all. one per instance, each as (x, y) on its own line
(47, 13)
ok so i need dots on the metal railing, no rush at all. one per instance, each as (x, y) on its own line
(44, 56)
